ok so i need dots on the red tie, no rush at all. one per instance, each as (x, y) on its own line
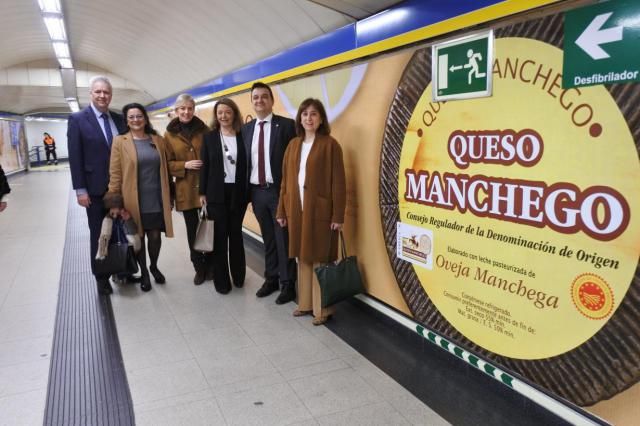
(262, 179)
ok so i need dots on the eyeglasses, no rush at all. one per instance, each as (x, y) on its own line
(226, 150)
(135, 117)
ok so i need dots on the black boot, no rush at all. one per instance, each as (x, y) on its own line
(145, 280)
(157, 275)
(145, 284)
(200, 275)
(287, 294)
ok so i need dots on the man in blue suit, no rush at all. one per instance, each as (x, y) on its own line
(90, 133)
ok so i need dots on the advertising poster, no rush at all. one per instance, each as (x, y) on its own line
(13, 146)
(531, 197)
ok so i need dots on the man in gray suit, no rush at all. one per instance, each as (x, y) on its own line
(266, 139)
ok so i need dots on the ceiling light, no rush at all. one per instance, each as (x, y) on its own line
(62, 49)
(381, 20)
(55, 26)
(73, 105)
(50, 6)
(65, 63)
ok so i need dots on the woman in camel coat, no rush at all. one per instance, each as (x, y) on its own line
(139, 186)
(312, 202)
(184, 141)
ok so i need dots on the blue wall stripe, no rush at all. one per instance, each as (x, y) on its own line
(10, 115)
(407, 16)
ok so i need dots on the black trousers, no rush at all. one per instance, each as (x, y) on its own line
(278, 266)
(228, 245)
(199, 259)
(49, 153)
(95, 214)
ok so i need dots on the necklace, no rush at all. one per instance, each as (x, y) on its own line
(226, 150)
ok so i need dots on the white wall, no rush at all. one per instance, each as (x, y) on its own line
(57, 129)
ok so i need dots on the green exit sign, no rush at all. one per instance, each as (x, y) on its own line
(461, 68)
(602, 44)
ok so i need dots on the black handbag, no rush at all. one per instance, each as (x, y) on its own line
(120, 257)
(132, 264)
(339, 280)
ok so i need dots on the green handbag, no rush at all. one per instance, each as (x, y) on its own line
(339, 280)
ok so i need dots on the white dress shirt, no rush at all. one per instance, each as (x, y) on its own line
(254, 151)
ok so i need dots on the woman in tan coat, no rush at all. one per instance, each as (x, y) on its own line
(312, 202)
(184, 142)
(139, 186)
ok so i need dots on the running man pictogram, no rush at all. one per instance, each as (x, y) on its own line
(474, 57)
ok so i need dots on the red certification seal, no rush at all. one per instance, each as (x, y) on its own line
(592, 296)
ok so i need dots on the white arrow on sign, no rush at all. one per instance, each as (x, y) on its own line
(593, 36)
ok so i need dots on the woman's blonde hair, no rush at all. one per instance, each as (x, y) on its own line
(183, 99)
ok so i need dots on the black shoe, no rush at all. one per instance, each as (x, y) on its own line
(145, 285)
(223, 289)
(267, 288)
(104, 287)
(287, 294)
(157, 275)
(116, 279)
(133, 279)
(199, 278)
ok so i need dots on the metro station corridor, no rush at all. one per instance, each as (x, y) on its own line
(468, 172)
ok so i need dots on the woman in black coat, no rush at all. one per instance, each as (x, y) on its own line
(224, 190)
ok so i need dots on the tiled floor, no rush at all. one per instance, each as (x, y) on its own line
(192, 356)
(32, 231)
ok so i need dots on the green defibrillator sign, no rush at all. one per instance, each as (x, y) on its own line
(602, 44)
(461, 68)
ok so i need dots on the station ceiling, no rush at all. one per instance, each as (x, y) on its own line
(152, 49)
